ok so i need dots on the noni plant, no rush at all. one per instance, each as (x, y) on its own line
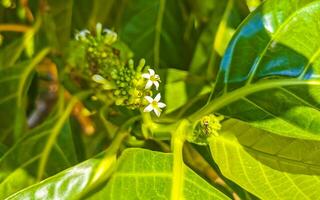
(160, 99)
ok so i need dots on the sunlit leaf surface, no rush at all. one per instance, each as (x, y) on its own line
(140, 174)
(269, 75)
(268, 165)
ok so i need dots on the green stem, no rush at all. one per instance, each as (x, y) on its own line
(178, 140)
(235, 95)
(161, 131)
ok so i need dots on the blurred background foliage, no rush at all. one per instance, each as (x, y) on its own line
(49, 124)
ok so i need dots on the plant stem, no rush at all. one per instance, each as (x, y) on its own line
(235, 95)
(14, 27)
(178, 140)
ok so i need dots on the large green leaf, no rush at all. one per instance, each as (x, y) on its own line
(267, 165)
(22, 159)
(270, 72)
(140, 174)
(155, 30)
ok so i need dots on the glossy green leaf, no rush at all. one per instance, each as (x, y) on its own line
(155, 30)
(140, 174)
(24, 156)
(267, 165)
(233, 16)
(63, 185)
(15, 181)
(269, 75)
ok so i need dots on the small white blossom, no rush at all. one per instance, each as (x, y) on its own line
(82, 34)
(154, 104)
(110, 36)
(153, 79)
(105, 84)
(98, 79)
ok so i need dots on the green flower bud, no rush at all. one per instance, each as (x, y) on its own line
(208, 126)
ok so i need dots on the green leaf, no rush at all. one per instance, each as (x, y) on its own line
(269, 75)
(155, 30)
(57, 22)
(267, 165)
(25, 154)
(100, 11)
(140, 174)
(63, 185)
(205, 58)
(233, 16)
(10, 53)
(180, 88)
(14, 83)
(15, 181)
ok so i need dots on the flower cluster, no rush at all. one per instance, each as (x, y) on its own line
(99, 49)
(208, 126)
(130, 86)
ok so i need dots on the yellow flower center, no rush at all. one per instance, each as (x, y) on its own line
(154, 104)
(153, 78)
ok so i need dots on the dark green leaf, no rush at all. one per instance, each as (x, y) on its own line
(24, 156)
(57, 22)
(155, 30)
(270, 72)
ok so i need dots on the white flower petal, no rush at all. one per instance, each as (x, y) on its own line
(158, 97)
(156, 84)
(84, 32)
(147, 76)
(161, 105)
(151, 72)
(149, 108)
(98, 78)
(149, 84)
(149, 99)
(107, 31)
(157, 112)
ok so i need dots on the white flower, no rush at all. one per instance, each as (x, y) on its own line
(153, 79)
(105, 83)
(110, 36)
(154, 104)
(82, 34)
